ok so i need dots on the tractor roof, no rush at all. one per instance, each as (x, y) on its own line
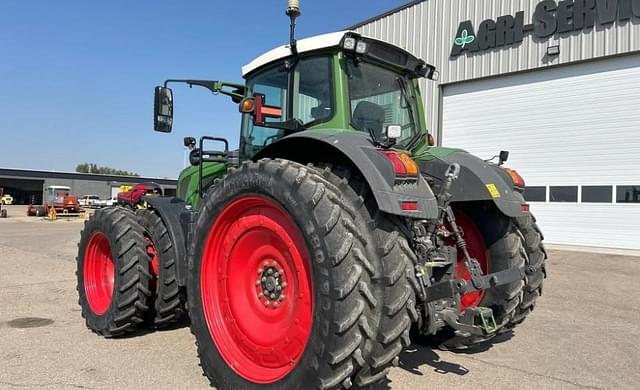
(304, 45)
(380, 50)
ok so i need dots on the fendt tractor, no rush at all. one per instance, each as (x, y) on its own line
(335, 235)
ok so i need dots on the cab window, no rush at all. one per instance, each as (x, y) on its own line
(380, 97)
(312, 103)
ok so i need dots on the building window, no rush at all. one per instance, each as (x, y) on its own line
(628, 194)
(563, 194)
(597, 194)
(535, 194)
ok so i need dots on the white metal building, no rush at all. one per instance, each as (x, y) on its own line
(557, 83)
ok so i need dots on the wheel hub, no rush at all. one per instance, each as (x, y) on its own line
(270, 284)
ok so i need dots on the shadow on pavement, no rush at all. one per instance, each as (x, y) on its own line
(427, 354)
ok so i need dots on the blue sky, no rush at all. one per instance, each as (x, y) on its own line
(77, 78)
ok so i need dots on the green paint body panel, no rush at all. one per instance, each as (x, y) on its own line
(188, 185)
(429, 153)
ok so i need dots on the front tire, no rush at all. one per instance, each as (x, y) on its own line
(113, 279)
(277, 224)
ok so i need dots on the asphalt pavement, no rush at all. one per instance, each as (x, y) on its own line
(584, 333)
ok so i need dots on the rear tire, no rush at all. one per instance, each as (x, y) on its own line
(536, 258)
(395, 284)
(113, 278)
(312, 224)
(168, 297)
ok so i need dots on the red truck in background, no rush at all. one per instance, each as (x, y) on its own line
(58, 198)
(133, 197)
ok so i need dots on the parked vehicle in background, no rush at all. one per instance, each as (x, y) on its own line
(92, 201)
(133, 197)
(58, 198)
(6, 199)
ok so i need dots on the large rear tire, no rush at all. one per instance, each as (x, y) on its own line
(395, 284)
(536, 258)
(113, 279)
(279, 288)
(168, 297)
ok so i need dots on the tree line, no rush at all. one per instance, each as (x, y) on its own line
(100, 170)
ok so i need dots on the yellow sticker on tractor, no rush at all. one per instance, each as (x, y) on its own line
(493, 190)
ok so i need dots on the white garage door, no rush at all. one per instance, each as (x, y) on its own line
(574, 135)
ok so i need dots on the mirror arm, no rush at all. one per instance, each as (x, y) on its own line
(215, 86)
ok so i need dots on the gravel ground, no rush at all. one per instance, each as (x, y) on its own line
(583, 334)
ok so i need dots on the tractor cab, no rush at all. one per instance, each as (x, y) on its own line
(339, 81)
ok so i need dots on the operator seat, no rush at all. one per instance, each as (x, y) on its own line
(369, 116)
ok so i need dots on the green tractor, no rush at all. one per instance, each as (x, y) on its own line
(311, 257)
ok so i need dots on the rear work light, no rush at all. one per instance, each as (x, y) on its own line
(403, 165)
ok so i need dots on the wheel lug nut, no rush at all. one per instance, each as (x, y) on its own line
(278, 288)
(258, 282)
(264, 279)
(273, 296)
(284, 284)
(270, 271)
(276, 274)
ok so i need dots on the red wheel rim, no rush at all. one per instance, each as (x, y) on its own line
(478, 250)
(98, 272)
(154, 261)
(253, 248)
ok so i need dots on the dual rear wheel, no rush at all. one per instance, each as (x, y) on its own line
(287, 287)
(126, 271)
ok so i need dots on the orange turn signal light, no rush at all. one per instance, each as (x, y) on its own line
(518, 181)
(409, 164)
(247, 105)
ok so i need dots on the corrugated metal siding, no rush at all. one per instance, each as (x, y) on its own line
(584, 133)
(428, 29)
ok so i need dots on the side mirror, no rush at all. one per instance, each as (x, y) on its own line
(163, 110)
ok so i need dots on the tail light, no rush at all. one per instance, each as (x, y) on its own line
(518, 181)
(403, 165)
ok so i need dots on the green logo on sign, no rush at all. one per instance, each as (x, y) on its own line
(464, 39)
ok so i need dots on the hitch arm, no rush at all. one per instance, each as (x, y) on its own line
(450, 288)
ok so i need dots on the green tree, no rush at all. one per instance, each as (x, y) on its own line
(100, 170)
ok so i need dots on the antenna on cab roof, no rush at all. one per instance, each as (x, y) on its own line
(293, 11)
